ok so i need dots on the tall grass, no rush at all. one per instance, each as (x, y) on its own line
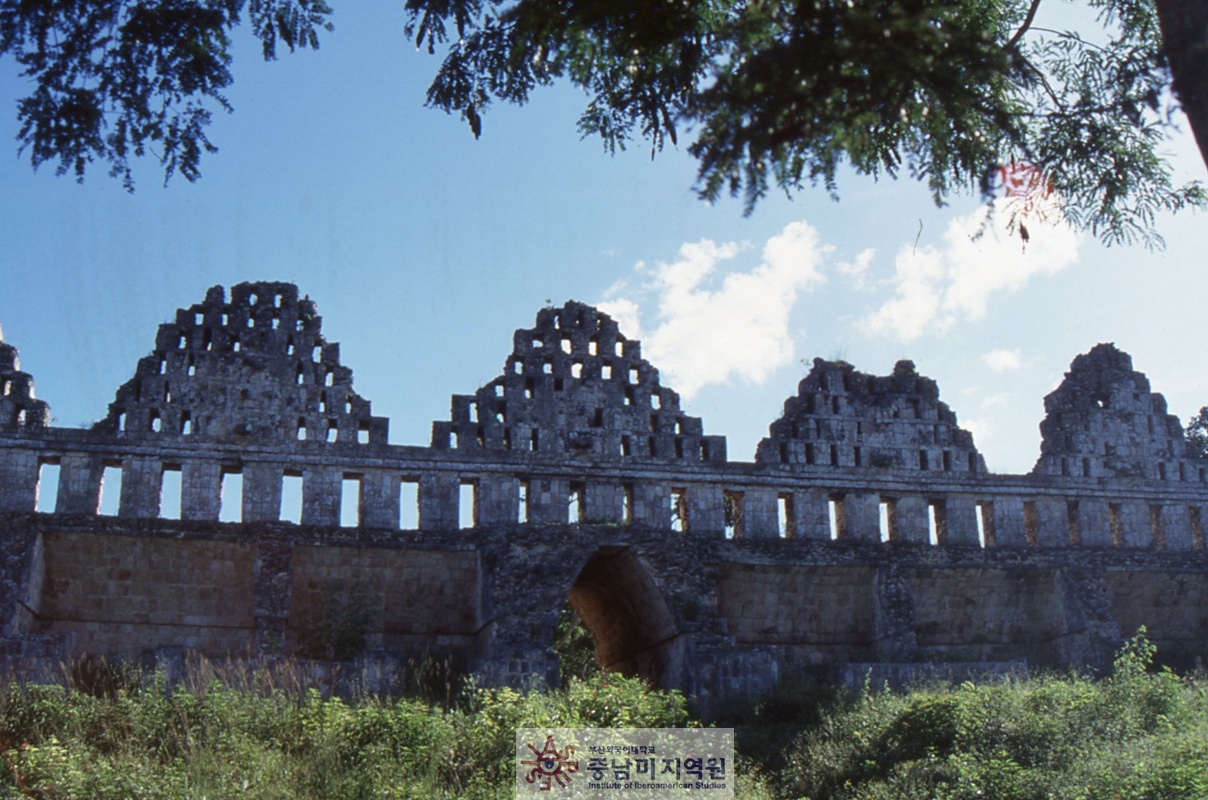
(228, 732)
(1136, 735)
(234, 733)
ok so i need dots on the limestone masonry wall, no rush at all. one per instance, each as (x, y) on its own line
(867, 528)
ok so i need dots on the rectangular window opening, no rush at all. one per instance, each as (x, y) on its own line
(522, 502)
(230, 502)
(291, 497)
(170, 484)
(1072, 521)
(679, 511)
(785, 518)
(987, 535)
(46, 493)
(1197, 528)
(734, 515)
(408, 504)
(937, 522)
(1031, 523)
(627, 503)
(837, 517)
(576, 503)
(1115, 524)
(887, 519)
(350, 500)
(467, 505)
(1157, 527)
(111, 489)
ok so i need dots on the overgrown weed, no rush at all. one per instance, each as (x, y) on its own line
(290, 730)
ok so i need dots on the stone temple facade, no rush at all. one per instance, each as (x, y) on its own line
(866, 531)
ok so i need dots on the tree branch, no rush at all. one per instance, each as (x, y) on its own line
(1027, 23)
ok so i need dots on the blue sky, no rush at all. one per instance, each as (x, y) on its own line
(425, 249)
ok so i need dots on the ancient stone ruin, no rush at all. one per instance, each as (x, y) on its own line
(866, 531)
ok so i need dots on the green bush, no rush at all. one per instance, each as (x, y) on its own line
(1139, 734)
(146, 741)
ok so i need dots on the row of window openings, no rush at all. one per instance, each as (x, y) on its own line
(316, 353)
(576, 371)
(626, 445)
(199, 318)
(593, 345)
(925, 457)
(155, 424)
(231, 496)
(1163, 473)
(814, 402)
(802, 431)
(597, 418)
(500, 413)
(231, 503)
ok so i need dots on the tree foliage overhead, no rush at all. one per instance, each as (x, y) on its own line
(114, 79)
(782, 93)
(774, 94)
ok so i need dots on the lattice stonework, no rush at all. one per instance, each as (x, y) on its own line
(18, 408)
(574, 385)
(844, 418)
(256, 368)
(1103, 420)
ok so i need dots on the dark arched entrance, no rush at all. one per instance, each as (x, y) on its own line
(631, 624)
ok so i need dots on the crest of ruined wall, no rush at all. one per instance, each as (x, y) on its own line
(575, 386)
(1103, 421)
(255, 368)
(18, 408)
(844, 418)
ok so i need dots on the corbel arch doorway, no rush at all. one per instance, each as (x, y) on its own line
(632, 626)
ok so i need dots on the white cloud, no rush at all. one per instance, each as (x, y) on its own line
(740, 329)
(627, 315)
(1003, 360)
(936, 287)
(857, 268)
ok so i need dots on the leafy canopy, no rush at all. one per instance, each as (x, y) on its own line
(784, 92)
(1197, 433)
(113, 79)
(775, 93)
